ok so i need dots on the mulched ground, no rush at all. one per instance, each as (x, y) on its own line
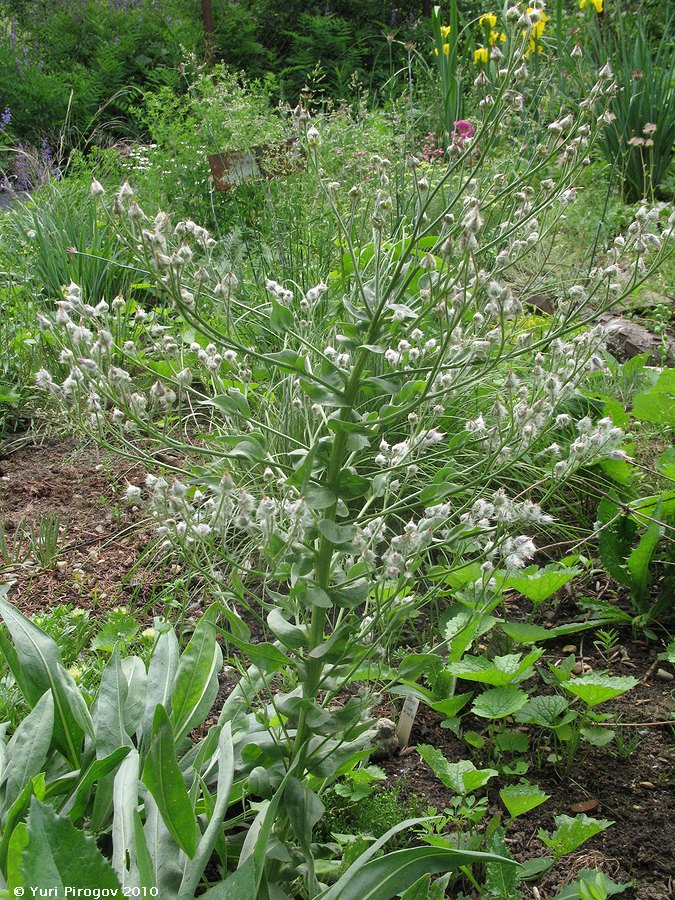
(97, 568)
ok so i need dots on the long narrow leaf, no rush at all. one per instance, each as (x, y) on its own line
(163, 779)
(196, 866)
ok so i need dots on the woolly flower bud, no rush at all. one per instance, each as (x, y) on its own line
(96, 189)
(132, 494)
(136, 214)
(313, 137)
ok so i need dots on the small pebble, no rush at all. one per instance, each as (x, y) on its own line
(569, 648)
(61, 565)
(99, 529)
(578, 668)
(648, 785)
(664, 675)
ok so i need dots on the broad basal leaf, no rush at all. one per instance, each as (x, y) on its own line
(594, 689)
(499, 702)
(571, 833)
(462, 776)
(521, 798)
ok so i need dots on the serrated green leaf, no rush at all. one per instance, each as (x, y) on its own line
(501, 670)
(462, 776)
(501, 882)
(539, 584)
(594, 689)
(522, 797)
(58, 856)
(499, 702)
(545, 710)
(571, 833)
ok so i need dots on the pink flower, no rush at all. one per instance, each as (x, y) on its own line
(462, 130)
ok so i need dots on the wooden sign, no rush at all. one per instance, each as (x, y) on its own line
(229, 170)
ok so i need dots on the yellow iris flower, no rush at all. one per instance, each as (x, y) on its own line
(596, 3)
(496, 36)
(537, 31)
(446, 50)
(480, 55)
(445, 31)
(489, 19)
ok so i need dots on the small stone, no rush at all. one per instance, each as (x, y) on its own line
(648, 785)
(585, 806)
(569, 648)
(664, 675)
(61, 565)
(579, 668)
(99, 529)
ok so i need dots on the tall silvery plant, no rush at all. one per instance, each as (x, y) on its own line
(327, 447)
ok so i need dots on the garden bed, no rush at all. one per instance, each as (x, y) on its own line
(97, 568)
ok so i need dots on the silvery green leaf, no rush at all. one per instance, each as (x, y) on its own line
(125, 800)
(109, 728)
(28, 748)
(36, 663)
(167, 859)
(110, 732)
(194, 868)
(135, 674)
(196, 683)
(161, 675)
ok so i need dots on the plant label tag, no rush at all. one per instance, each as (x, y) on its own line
(406, 721)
